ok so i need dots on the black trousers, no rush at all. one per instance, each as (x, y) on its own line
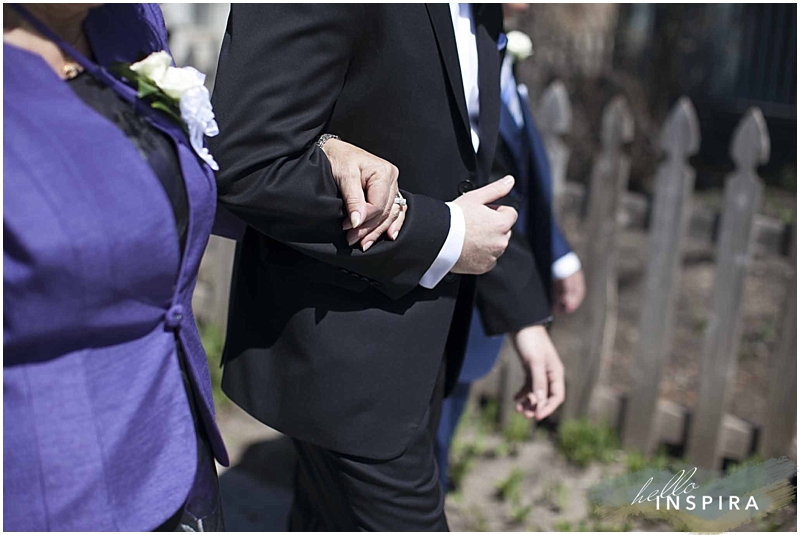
(337, 492)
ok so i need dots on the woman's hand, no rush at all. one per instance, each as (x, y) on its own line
(369, 187)
(543, 390)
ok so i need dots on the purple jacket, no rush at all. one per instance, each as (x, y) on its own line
(98, 434)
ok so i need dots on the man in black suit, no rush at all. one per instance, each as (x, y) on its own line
(348, 350)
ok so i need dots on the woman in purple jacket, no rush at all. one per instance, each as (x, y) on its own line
(108, 414)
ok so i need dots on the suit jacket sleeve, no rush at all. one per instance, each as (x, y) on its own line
(281, 69)
(512, 295)
(543, 173)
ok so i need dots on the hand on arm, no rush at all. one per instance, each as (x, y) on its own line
(271, 110)
(543, 390)
(368, 185)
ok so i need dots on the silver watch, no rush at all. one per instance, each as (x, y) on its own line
(324, 138)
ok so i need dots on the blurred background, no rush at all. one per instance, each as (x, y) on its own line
(685, 348)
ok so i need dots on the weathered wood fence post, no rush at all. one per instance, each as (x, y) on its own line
(680, 139)
(554, 119)
(609, 179)
(717, 369)
(780, 425)
(511, 379)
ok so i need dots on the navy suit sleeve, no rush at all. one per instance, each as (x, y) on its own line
(508, 302)
(544, 174)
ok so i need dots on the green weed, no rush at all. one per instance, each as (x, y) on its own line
(519, 513)
(556, 495)
(510, 488)
(581, 442)
(518, 429)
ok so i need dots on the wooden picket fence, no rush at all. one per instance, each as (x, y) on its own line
(643, 420)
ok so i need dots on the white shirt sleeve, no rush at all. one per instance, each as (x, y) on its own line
(450, 251)
(567, 265)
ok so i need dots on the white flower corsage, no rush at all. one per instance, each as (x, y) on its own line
(519, 45)
(179, 92)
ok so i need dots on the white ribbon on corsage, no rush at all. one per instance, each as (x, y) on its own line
(187, 86)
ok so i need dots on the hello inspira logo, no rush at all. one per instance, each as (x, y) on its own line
(682, 487)
(698, 500)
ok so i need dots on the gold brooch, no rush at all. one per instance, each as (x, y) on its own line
(71, 69)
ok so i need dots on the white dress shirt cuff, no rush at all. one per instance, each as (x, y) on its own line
(450, 251)
(567, 265)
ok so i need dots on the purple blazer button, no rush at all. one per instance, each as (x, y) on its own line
(174, 316)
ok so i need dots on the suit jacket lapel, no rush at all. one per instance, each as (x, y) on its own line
(446, 40)
(488, 24)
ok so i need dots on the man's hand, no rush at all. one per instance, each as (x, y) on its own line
(543, 390)
(488, 228)
(568, 293)
(357, 172)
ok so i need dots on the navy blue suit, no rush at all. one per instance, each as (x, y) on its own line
(521, 153)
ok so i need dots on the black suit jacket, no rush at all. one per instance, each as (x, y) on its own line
(326, 343)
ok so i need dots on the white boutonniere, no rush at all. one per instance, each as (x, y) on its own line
(179, 92)
(519, 45)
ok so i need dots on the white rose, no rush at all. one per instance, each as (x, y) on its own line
(176, 82)
(519, 45)
(153, 66)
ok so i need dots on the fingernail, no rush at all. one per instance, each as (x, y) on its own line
(508, 180)
(394, 234)
(368, 245)
(352, 241)
(355, 219)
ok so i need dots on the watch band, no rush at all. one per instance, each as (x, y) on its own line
(324, 138)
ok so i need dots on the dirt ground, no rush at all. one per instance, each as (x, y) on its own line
(552, 492)
(257, 488)
(553, 496)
